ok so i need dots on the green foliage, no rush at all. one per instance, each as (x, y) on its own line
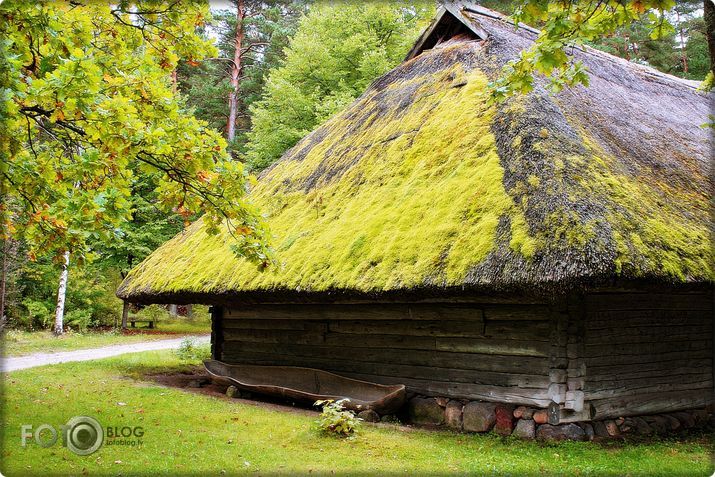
(206, 85)
(78, 319)
(335, 420)
(190, 350)
(89, 107)
(575, 23)
(337, 51)
(90, 299)
(156, 313)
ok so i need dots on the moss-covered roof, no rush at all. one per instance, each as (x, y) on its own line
(422, 184)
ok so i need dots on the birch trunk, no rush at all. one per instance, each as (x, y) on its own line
(235, 72)
(61, 292)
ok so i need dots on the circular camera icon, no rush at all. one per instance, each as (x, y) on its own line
(84, 435)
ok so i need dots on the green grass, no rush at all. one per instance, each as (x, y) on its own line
(193, 433)
(19, 343)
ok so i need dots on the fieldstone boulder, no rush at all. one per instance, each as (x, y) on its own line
(642, 427)
(442, 401)
(390, 419)
(478, 416)
(686, 419)
(599, 428)
(525, 429)
(504, 423)
(612, 428)
(541, 416)
(453, 415)
(519, 412)
(561, 432)
(659, 424)
(673, 423)
(368, 415)
(588, 429)
(425, 411)
(232, 392)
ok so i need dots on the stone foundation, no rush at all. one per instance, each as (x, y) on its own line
(529, 423)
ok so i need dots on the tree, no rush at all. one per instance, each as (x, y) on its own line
(82, 111)
(264, 33)
(566, 23)
(337, 51)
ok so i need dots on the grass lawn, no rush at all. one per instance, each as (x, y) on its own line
(193, 433)
(19, 343)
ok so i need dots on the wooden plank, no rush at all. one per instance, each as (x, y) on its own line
(409, 327)
(383, 341)
(689, 381)
(638, 370)
(495, 346)
(522, 396)
(646, 349)
(481, 362)
(658, 402)
(649, 301)
(384, 311)
(661, 357)
(646, 335)
(528, 330)
(520, 313)
(243, 324)
(273, 336)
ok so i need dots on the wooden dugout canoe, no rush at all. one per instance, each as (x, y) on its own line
(308, 385)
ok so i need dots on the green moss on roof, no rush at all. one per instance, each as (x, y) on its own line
(423, 183)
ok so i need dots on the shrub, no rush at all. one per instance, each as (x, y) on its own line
(189, 350)
(156, 313)
(38, 315)
(335, 420)
(79, 319)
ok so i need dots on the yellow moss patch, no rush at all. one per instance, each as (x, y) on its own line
(411, 195)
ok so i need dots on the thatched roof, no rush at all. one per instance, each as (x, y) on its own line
(423, 186)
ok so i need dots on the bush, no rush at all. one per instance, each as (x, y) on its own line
(335, 420)
(189, 350)
(38, 315)
(79, 320)
(156, 313)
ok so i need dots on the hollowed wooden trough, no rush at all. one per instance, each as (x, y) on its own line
(308, 385)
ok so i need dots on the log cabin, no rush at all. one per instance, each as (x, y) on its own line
(551, 250)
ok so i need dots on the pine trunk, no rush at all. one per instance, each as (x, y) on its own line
(236, 72)
(61, 293)
(709, 16)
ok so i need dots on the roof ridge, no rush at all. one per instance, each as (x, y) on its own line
(477, 9)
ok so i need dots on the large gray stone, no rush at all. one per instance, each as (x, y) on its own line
(525, 429)
(478, 416)
(232, 392)
(453, 415)
(562, 432)
(600, 429)
(425, 411)
(588, 429)
(368, 415)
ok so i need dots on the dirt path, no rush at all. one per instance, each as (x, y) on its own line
(40, 359)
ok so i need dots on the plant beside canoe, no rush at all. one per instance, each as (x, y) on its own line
(335, 420)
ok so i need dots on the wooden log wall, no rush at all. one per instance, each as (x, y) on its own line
(493, 352)
(646, 353)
